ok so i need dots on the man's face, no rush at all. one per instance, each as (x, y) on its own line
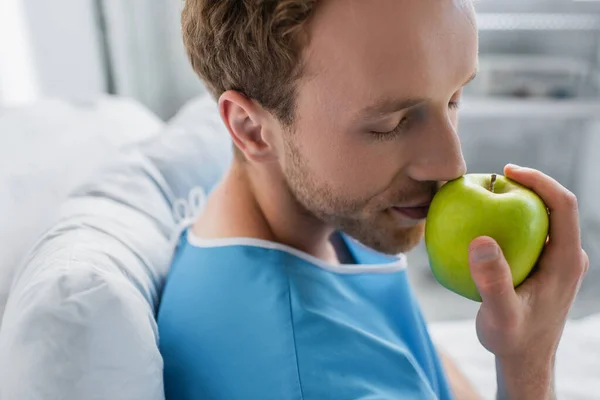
(374, 133)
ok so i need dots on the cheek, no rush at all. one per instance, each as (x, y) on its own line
(350, 162)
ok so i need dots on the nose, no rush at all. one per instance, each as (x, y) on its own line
(438, 155)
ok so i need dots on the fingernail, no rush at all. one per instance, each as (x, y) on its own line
(513, 166)
(484, 253)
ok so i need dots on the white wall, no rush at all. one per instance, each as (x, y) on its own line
(589, 194)
(57, 42)
(147, 54)
(18, 81)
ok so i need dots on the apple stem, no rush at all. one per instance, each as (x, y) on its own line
(493, 183)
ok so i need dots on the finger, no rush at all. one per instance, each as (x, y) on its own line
(493, 279)
(586, 262)
(584, 269)
(564, 214)
(585, 265)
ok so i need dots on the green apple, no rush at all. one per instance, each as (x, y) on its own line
(483, 205)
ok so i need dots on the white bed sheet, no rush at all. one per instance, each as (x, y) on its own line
(577, 360)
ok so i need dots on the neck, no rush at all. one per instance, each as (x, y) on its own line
(256, 202)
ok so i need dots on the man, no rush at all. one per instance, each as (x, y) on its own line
(344, 117)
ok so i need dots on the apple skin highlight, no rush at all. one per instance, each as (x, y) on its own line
(480, 205)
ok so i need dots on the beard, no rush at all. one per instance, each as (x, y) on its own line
(369, 220)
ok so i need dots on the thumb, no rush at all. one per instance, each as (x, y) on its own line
(493, 278)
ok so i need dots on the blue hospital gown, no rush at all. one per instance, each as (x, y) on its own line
(244, 319)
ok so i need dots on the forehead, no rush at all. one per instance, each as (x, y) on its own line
(380, 47)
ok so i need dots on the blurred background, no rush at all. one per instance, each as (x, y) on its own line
(535, 102)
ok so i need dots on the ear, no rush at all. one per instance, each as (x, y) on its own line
(248, 124)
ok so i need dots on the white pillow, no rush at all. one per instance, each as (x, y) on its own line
(79, 323)
(46, 150)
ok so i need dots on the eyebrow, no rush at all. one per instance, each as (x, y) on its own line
(389, 106)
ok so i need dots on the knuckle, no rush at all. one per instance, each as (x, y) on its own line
(570, 200)
(585, 262)
(580, 267)
(538, 174)
(495, 284)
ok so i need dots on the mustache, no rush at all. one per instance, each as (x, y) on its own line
(417, 190)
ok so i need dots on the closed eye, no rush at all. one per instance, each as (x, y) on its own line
(390, 134)
(453, 105)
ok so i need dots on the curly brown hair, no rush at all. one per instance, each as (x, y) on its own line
(251, 46)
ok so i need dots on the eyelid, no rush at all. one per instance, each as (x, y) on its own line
(393, 133)
(453, 105)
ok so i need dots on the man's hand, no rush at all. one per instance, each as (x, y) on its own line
(523, 327)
